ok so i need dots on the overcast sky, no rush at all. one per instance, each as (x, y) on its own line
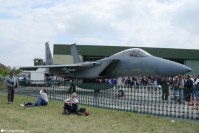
(25, 25)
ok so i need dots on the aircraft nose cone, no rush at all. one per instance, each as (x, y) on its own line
(181, 69)
(170, 68)
(188, 70)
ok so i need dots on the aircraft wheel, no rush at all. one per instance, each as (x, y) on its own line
(97, 91)
(120, 93)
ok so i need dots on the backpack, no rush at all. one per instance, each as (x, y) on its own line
(82, 111)
(189, 83)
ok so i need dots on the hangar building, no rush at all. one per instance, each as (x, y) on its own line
(188, 57)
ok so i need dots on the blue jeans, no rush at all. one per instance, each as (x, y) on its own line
(40, 102)
(193, 93)
(197, 94)
(175, 93)
(181, 93)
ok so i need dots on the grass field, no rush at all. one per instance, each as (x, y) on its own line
(50, 120)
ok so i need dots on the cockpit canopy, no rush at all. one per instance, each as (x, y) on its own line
(134, 52)
(138, 53)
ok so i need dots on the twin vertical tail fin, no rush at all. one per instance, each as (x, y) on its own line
(49, 59)
(74, 53)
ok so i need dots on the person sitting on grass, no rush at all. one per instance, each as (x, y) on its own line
(71, 104)
(42, 100)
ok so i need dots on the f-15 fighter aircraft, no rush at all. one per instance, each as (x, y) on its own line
(130, 62)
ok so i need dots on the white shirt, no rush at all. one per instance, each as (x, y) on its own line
(10, 81)
(43, 95)
(72, 100)
(197, 81)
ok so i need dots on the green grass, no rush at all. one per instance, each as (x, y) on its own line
(1, 84)
(50, 120)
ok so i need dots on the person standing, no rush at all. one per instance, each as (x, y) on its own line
(181, 88)
(196, 83)
(175, 88)
(11, 83)
(189, 89)
(165, 88)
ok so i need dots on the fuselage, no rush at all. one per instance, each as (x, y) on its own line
(131, 62)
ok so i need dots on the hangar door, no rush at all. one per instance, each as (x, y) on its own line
(194, 65)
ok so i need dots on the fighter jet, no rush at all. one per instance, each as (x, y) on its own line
(130, 62)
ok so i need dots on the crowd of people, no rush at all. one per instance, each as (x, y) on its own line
(183, 87)
(144, 80)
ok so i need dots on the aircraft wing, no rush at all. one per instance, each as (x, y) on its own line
(70, 66)
(102, 68)
(73, 67)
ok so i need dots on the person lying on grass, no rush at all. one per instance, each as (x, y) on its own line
(42, 100)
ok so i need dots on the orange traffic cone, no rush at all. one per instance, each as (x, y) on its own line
(190, 101)
(196, 106)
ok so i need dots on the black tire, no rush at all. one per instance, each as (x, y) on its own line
(120, 93)
(96, 91)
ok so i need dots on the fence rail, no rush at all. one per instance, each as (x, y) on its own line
(140, 99)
